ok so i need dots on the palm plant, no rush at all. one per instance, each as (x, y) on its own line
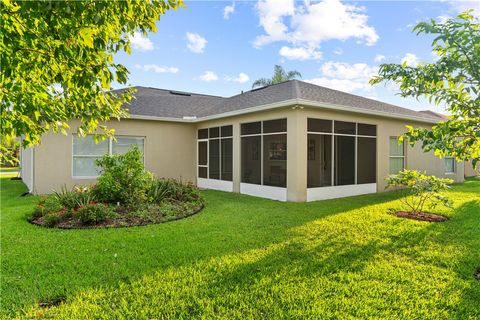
(279, 75)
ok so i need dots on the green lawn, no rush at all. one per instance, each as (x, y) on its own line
(244, 257)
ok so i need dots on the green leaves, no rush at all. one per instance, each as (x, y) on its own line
(57, 63)
(419, 189)
(279, 75)
(452, 80)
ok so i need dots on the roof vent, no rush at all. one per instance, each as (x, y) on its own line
(180, 93)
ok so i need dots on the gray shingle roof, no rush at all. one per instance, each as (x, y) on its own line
(173, 104)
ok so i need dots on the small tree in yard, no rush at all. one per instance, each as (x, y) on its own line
(419, 189)
(453, 79)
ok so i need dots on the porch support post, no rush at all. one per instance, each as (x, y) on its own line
(236, 157)
(297, 155)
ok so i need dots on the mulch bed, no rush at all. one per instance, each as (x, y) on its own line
(423, 216)
(114, 223)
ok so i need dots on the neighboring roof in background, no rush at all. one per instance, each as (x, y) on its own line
(170, 104)
(435, 114)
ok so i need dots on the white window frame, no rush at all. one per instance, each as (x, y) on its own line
(110, 152)
(454, 165)
(396, 157)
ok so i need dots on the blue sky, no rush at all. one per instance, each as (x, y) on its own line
(220, 47)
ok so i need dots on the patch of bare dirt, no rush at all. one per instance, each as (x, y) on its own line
(422, 216)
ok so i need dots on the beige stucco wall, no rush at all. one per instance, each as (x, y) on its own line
(170, 151)
(470, 171)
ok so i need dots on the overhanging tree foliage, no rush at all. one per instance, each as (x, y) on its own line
(57, 62)
(453, 80)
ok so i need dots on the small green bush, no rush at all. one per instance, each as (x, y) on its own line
(171, 189)
(46, 205)
(77, 197)
(419, 189)
(123, 178)
(52, 219)
(169, 209)
(94, 213)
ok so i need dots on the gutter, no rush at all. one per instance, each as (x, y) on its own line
(287, 103)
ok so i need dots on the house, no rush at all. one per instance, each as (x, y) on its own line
(292, 141)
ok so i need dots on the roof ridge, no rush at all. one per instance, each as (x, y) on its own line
(358, 96)
(170, 90)
(296, 88)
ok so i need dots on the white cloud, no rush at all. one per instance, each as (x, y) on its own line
(271, 13)
(241, 78)
(140, 42)
(228, 11)
(338, 84)
(461, 6)
(410, 59)
(208, 76)
(345, 70)
(156, 68)
(309, 24)
(345, 77)
(195, 42)
(379, 58)
(443, 18)
(300, 53)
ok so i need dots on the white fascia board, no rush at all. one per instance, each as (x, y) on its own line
(287, 103)
(154, 118)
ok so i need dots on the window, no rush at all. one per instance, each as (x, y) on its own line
(340, 153)
(123, 144)
(264, 153)
(85, 151)
(450, 165)
(397, 155)
(215, 147)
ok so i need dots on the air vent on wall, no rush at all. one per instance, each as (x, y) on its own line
(180, 93)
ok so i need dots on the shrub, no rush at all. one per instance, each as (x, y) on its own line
(160, 190)
(94, 213)
(419, 189)
(52, 219)
(77, 197)
(170, 189)
(46, 205)
(123, 178)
